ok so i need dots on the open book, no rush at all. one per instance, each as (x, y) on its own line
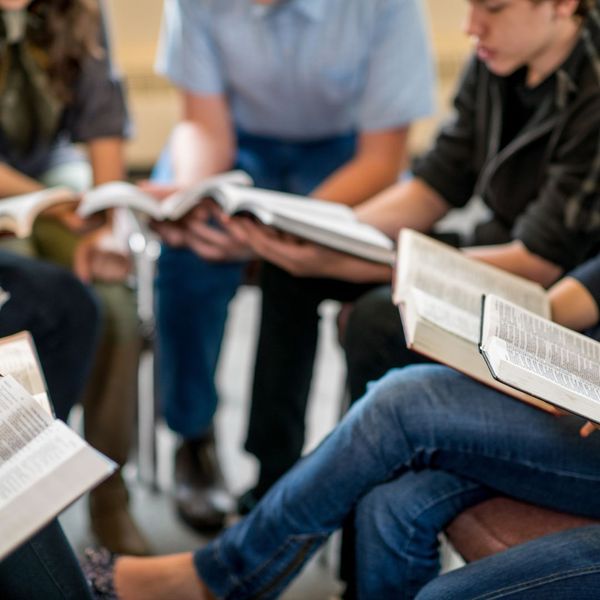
(18, 357)
(44, 466)
(18, 213)
(537, 356)
(438, 290)
(173, 207)
(327, 223)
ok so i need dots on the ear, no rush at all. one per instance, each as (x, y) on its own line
(566, 8)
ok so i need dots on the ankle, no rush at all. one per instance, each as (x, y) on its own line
(159, 578)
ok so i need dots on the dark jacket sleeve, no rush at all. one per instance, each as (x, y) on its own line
(99, 107)
(448, 166)
(563, 224)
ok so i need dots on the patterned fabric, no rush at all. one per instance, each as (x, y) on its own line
(98, 565)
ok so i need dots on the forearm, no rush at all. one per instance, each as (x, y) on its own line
(203, 143)
(348, 268)
(13, 183)
(515, 258)
(572, 304)
(107, 159)
(379, 159)
(197, 154)
(410, 204)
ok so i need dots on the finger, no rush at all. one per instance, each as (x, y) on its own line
(207, 251)
(235, 230)
(170, 233)
(208, 234)
(588, 429)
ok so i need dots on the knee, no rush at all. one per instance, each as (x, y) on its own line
(385, 398)
(78, 303)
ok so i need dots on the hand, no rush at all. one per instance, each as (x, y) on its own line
(206, 231)
(100, 257)
(68, 217)
(305, 259)
(588, 429)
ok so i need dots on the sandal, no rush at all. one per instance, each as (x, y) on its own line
(98, 566)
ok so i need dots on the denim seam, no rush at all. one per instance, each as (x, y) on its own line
(471, 487)
(249, 580)
(558, 576)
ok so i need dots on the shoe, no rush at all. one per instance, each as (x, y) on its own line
(201, 497)
(112, 523)
(98, 566)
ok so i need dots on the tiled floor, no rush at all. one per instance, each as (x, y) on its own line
(154, 510)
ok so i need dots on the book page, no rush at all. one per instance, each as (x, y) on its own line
(21, 418)
(447, 273)
(450, 317)
(17, 213)
(541, 339)
(19, 359)
(44, 465)
(118, 193)
(178, 204)
(585, 381)
(327, 223)
(239, 198)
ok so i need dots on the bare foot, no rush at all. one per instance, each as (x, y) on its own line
(159, 578)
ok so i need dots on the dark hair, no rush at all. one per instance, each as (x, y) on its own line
(67, 32)
(583, 9)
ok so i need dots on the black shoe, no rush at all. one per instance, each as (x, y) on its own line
(201, 497)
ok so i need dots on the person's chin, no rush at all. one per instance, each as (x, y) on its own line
(500, 68)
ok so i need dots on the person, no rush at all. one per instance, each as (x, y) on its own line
(58, 87)
(424, 443)
(523, 137)
(309, 97)
(65, 332)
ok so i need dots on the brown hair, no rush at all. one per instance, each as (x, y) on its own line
(67, 32)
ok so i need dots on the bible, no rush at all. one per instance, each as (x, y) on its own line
(18, 213)
(534, 355)
(326, 223)
(44, 465)
(173, 207)
(438, 290)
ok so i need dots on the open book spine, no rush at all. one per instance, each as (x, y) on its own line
(455, 350)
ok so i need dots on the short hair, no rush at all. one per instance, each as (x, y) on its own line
(584, 8)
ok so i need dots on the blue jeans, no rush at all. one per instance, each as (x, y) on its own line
(424, 444)
(193, 294)
(563, 566)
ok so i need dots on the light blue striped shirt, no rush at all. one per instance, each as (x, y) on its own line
(303, 69)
